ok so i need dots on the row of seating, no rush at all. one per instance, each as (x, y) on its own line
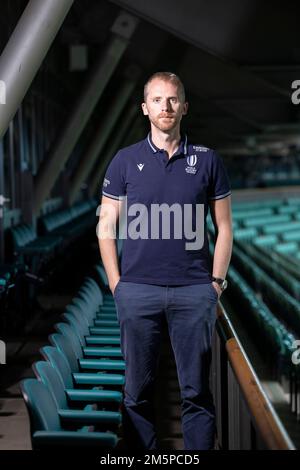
(75, 399)
(39, 253)
(252, 221)
(264, 280)
(269, 224)
(274, 203)
(289, 282)
(261, 222)
(246, 205)
(281, 303)
(287, 265)
(69, 223)
(276, 229)
(28, 245)
(290, 249)
(272, 338)
(265, 211)
(273, 224)
(243, 214)
(55, 230)
(274, 341)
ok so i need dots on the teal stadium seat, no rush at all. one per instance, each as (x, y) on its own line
(46, 428)
(88, 351)
(81, 328)
(266, 220)
(247, 234)
(280, 228)
(266, 240)
(72, 379)
(85, 316)
(289, 248)
(50, 377)
(73, 352)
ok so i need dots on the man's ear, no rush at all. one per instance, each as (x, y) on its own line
(185, 108)
(145, 110)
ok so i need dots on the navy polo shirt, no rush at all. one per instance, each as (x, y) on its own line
(145, 175)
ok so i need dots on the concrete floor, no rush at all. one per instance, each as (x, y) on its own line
(14, 422)
(14, 425)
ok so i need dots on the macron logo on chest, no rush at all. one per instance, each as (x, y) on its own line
(140, 166)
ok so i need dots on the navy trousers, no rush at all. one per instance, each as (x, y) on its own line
(190, 312)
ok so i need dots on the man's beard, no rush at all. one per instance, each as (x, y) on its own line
(165, 124)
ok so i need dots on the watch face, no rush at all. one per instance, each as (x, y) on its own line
(224, 284)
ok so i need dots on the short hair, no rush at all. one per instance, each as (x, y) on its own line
(167, 77)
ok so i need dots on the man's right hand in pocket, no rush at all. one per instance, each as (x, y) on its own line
(113, 285)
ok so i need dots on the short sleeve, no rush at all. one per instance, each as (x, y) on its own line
(114, 180)
(219, 185)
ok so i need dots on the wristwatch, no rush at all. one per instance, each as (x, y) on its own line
(222, 282)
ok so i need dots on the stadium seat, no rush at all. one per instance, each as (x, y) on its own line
(75, 356)
(50, 377)
(71, 379)
(46, 427)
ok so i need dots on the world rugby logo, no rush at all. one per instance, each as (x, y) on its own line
(192, 160)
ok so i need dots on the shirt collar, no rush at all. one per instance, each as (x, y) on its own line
(181, 149)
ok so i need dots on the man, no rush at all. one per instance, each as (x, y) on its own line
(163, 274)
